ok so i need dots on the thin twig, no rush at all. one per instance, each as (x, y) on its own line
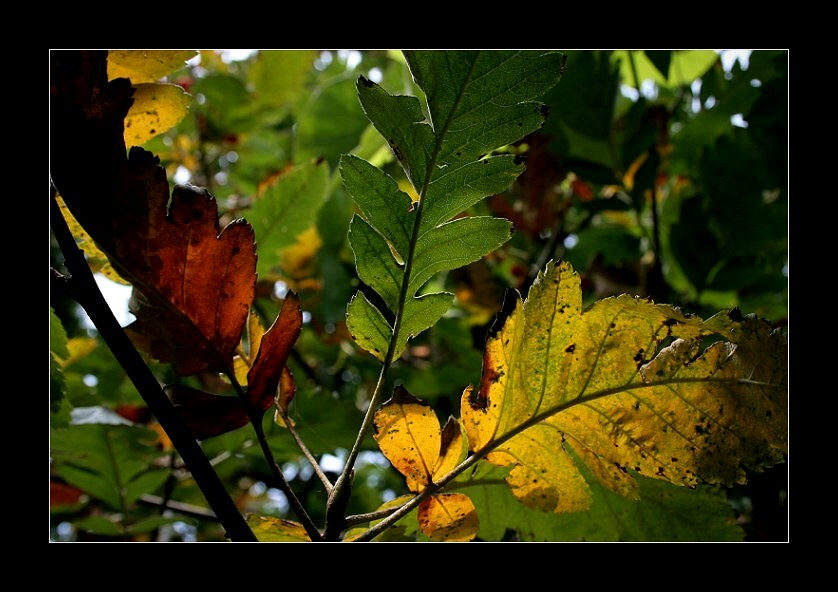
(179, 507)
(82, 287)
(306, 452)
(369, 516)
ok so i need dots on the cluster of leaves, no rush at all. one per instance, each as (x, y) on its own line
(576, 413)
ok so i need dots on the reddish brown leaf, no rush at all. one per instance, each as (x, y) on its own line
(274, 349)
(193, 287)
(207, 415)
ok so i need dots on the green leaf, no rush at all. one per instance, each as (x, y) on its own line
(401, 121)
(368, 326)
(287, 208)
(380, 200)
(465, 89)
(376, 266)
(114, 463)
(99, 525)
(476, 102)
(57, 351)
(57, 336)
(422, 313)
(330, 123)
(455, 189)
(455, 244)
(664, 512)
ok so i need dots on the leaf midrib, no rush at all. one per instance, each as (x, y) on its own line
(417, 222)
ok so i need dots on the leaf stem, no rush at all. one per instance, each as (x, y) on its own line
(369, 516)
(83, 289)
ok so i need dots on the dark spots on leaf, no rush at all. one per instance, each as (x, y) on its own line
(637, 405)
(768, 413)
(613, 325)
(660, 472)
(459, 154)
(368, 83)
(621, 467)
(544, 110)
(671, 322)
(570, 348)
(735, 315)
(152, 131)
(637, 469)
(700, 429)
(638, 357)
(520, 159)
(673, 459)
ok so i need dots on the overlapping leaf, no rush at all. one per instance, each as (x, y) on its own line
(193, 282)
(562, 386)
(476, 103)
(207, 415)
(409, 435)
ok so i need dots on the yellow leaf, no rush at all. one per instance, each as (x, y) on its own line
(146, 65)
(255, 332)
(156, 108)
(240, 368)
(276, 530)
(408, 434)
(561, 386)
(448, 517)
(453, 449)
(78, 347)
(97, 260)
(297, 258)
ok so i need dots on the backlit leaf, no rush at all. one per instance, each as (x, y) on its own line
(274, 349)
(157, 107)
(276, 530)
(664, 512)
(368, 326)
(97, 260)
(476, 102)
(148, 65)
(448, 517)
(560, 384)
(408, 433)
(193, 285)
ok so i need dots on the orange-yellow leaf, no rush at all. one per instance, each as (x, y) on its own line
(408, 434)
(448, 517)
(147, 65)
(276, 530)
(274, 349)
(157, 107)
(561, 386)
